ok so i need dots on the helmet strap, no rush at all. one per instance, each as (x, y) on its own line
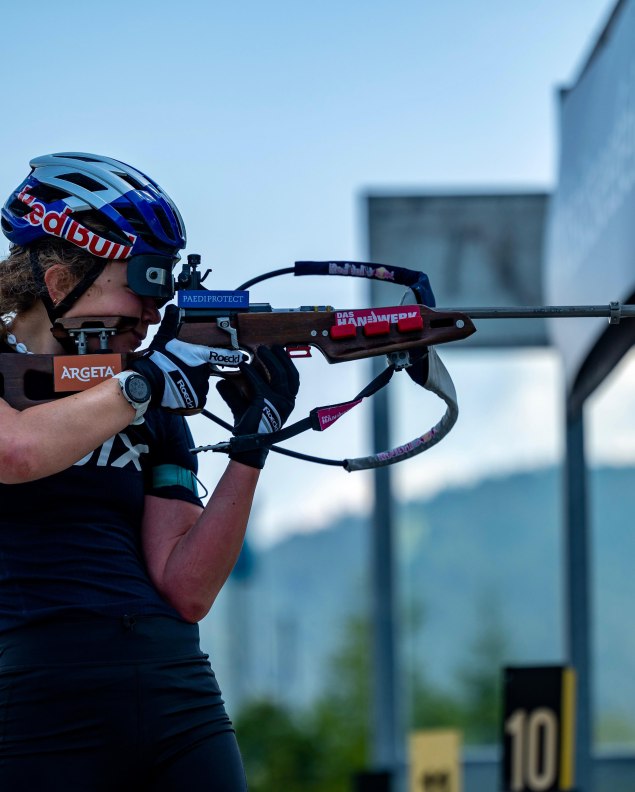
(40, 285)
(57, 310)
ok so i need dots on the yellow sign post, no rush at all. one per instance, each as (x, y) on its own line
(435, 761)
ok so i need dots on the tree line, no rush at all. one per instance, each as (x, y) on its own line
(321, 748)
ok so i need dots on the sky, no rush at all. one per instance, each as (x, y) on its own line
(267, 123)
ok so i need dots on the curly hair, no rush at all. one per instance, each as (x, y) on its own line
(19, 290)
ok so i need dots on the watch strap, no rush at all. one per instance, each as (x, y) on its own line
(139, 406)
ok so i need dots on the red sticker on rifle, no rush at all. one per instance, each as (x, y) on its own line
(328, 415)
(365, 316)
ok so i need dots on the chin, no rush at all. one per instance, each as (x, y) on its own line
(124, 345)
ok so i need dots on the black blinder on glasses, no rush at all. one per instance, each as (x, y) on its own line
(151, 276)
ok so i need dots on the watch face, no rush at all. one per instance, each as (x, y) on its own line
(137, 388)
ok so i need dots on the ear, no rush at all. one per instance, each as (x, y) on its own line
(56, 280)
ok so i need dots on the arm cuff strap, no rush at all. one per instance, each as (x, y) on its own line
(174, 475)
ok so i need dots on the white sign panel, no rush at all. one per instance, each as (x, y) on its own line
(590, 256)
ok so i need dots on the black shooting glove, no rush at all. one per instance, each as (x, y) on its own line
(270, 402)
(178, 372)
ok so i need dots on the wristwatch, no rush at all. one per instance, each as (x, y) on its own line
(136, 391)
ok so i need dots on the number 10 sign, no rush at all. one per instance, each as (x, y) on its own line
(538, 729)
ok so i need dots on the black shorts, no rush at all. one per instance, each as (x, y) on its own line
(107, 704)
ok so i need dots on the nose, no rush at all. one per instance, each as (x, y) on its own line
(151, 313)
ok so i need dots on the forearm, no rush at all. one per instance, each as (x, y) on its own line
(47, 438)
(191, 565)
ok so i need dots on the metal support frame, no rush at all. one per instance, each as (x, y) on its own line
(386, 729)
(576, 561)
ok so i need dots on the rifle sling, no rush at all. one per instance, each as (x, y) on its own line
(438, 382)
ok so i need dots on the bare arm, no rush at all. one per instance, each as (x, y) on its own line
(190, 552)
(48, 438)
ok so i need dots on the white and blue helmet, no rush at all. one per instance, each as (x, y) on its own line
(108, 208)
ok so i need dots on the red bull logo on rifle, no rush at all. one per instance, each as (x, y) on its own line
(62, 225)
(360, 270)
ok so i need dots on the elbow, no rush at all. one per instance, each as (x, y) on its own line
(17, 462)
(191, 596)
(192, 612)
(189, 606)
(193, 616)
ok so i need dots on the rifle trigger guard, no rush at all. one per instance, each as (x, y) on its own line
(224, 324)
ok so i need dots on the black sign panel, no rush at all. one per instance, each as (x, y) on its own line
(538, 729)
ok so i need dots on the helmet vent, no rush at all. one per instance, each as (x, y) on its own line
(136, 185)
(81, 180)
(47, 194)
(18, 208)
(132, 216)
(42, 192)
(101, 224)
(83, 158)
(163, 219)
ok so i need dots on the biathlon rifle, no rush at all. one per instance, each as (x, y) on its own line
(234, 328)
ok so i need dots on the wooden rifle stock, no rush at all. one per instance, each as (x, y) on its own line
(27, 380)
(352, 341)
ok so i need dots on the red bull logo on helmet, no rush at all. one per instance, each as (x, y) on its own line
(62, 225)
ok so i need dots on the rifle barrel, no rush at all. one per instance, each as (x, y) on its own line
(613, 311)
